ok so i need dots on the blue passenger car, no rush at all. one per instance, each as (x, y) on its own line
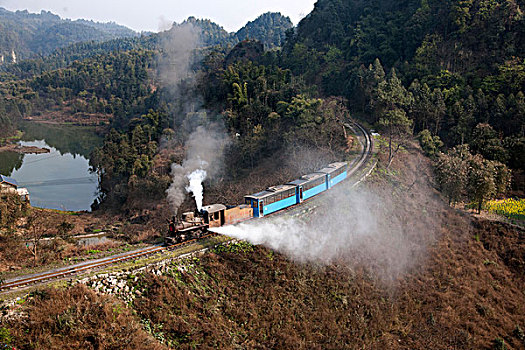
(309, 185)
(335, 173)
(271, 200)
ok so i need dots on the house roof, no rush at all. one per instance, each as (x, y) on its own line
(8, 180)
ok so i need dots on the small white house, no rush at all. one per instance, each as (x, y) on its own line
(9, 185)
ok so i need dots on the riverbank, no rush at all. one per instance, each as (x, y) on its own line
(67, 117)
(24, 149)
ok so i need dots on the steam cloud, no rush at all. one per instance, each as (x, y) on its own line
(203, 159)
(177, 52)
(358, 226)
(205, 143)
(196, 178)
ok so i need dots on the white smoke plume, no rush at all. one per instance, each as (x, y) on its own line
(205, 143)
(177, 49)
(204, 157)
(357, 226)
(196, 179)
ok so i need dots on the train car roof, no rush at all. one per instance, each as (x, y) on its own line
(214, 208)
(333, 167)
(306, 178)
(270, 191)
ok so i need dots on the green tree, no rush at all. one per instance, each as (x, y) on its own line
(485, 141)
(452, 172)
(463, 175)
(481, 183)
(430, 144)
(392, 99)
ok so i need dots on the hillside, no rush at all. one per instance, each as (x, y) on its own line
(24, 35)
(460, 64)
(269, 28)
(459, 286)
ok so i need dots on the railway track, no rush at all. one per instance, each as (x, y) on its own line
(356, 165)
(75, 269)
(72, 270)
(367, 149)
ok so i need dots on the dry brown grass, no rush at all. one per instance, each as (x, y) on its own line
(260, 300)
(78, 318)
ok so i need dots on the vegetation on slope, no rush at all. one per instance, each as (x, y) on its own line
(465, 291)
(77, 318)
(462, 62)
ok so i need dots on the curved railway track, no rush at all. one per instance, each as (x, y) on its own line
(83, 267)
(367, 149)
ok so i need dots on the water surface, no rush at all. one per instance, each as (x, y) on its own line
(59, 179)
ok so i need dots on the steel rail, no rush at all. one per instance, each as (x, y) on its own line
(99, 263)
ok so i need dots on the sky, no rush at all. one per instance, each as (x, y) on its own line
(155, 15)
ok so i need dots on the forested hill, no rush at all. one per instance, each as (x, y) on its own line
(269, 28)
(472, 38)
(24, 35)
(455, 68)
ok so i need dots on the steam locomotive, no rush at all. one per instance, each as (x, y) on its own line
(271, 200)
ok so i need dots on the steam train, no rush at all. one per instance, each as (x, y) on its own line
(257, 205)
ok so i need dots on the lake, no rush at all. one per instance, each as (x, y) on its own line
(59, 179)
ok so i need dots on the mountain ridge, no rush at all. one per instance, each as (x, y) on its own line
(27, 35)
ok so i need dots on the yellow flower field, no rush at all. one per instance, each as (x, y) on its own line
(511, 208)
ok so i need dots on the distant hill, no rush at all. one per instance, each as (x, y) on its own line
(269, 28)
(211, 33)
(53, 43)
(24, 35)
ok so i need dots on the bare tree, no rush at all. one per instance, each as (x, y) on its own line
(37, 227)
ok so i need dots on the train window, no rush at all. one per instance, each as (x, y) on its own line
(314, 183)
(216, 216)
(339, 171)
